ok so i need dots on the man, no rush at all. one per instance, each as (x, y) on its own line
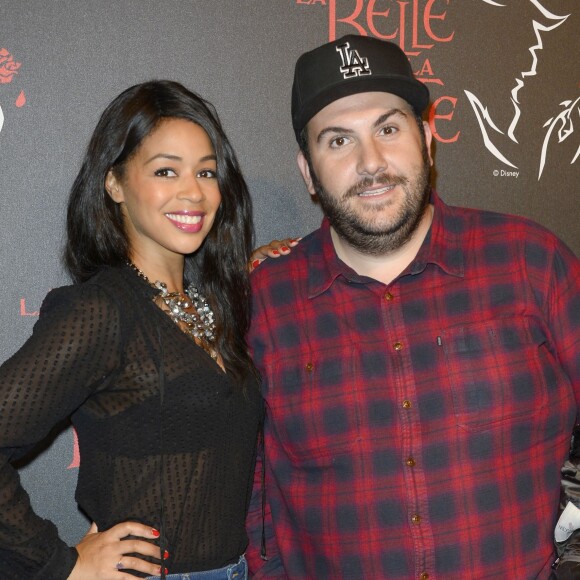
(420, 362)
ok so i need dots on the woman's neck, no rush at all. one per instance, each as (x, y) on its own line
(169, 272)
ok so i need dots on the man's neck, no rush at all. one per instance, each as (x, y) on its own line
(384, 268)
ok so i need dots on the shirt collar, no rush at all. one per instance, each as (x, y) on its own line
(440, 247)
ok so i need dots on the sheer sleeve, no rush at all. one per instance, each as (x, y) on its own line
(73, 350)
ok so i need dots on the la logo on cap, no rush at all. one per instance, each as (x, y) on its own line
(353, 65)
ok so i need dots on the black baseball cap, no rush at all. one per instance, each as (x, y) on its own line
(347, 66)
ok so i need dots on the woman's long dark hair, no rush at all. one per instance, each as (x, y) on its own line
(95, 233)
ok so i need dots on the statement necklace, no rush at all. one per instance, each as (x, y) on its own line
(190, 312)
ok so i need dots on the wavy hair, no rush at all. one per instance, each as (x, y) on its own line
(95, 233)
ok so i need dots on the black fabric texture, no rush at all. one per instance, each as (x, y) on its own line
(185, 455)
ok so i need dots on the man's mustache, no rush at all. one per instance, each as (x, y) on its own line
(382, 179)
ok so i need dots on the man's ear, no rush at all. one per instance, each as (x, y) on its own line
(113, 187)
(305, 170)
(428, 139)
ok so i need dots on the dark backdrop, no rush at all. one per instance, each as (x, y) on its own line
(503, 74)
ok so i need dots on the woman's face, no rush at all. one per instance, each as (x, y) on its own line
(169, 193)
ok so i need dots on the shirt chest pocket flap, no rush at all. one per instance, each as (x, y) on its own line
(498, 371)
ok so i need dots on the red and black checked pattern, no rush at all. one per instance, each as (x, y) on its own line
(417, 428)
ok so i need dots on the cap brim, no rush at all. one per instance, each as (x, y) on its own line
(412, 91)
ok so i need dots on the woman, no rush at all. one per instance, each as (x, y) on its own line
(157, 378)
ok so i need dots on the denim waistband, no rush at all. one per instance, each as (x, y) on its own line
(237, 571)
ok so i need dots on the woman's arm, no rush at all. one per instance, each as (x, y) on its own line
(74, 348)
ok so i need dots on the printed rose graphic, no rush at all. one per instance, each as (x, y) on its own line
(8, 66)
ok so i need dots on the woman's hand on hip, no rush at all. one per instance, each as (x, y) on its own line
(102, 555)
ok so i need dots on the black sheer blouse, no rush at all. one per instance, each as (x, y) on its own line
(166, 437)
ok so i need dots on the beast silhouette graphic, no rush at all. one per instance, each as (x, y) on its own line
(495, 139)
(565, 126)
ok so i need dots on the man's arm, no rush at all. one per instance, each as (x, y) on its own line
(562, 304)
(263, 555)
(261, 531)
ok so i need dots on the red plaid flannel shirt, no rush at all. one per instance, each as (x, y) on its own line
(417, 429)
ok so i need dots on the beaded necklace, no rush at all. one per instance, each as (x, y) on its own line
(190, 311)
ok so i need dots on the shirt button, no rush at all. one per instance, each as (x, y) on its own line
(309, 367)
(398, 346)
(424, 576)
(406, 404)
(410, 462)
(416, 519)
(388, 296)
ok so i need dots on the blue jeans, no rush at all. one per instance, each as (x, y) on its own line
(237, 571)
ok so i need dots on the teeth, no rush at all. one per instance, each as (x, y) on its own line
(184, 219)
(376, 191)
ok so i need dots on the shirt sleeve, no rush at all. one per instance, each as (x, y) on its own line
(270, 566)
(562, 307)
(73, 349)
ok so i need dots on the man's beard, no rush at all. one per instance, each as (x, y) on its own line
(360, 232)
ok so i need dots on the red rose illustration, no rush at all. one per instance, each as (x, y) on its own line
(8, 66)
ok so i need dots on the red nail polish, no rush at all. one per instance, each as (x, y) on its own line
(284, 248)
(165, 555)
(255, 263)
(276, 252)
(166, 571)
(155, 532)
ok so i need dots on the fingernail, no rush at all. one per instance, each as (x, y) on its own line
(284, 248)
(276, 252)
(155, 532)
(165, 555)
(255, 263)
(166, 571)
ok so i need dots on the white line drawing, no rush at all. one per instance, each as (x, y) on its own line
(486, 123)
(484, 120)
(564, 120)
(1, 118)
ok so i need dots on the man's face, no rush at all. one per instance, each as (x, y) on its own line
(369, 166)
